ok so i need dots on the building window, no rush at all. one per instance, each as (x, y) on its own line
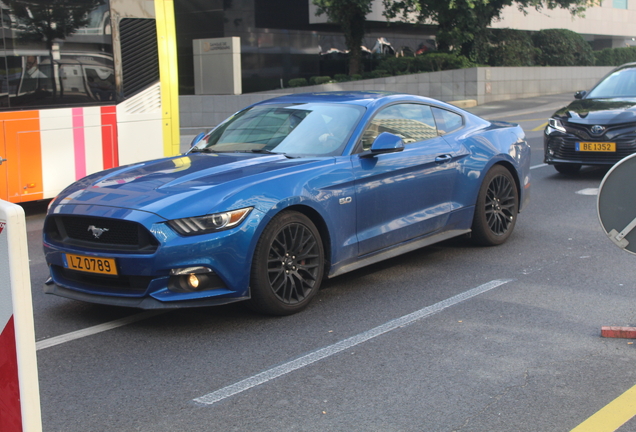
(619, 4)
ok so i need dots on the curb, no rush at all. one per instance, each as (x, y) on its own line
(618, 332)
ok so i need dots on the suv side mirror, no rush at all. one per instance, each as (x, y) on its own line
(580, 94)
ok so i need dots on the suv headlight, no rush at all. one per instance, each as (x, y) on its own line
(209, 223)
(556, 124)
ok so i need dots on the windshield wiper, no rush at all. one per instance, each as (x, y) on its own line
(207, 150)
(265, 151)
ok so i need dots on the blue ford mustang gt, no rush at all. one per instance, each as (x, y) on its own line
(283, 194)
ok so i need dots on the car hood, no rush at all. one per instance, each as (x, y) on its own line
(599, 111)
(180, 186)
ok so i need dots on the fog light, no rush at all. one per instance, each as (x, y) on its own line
(193, 281)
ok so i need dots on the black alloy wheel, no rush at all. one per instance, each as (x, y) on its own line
(496, 209)
(288, 265)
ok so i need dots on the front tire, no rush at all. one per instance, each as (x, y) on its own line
(496, 209)
(287, 266)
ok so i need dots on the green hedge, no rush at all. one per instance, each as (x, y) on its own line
(615, 56)
(561, 47)
(297, 82)
(507, 47)
(430, 62)
(317, 80)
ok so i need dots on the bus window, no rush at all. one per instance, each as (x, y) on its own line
(67, 60)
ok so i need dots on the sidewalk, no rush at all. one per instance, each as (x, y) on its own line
(515, 107)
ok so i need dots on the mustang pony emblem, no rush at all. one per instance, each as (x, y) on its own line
(97, 232)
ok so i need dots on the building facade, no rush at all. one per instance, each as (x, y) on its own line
(284, 39)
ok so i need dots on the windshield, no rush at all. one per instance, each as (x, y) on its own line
(621, 83)
(300, 129)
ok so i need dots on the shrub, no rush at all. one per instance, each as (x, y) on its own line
(561, 47)
(615, 56)
(508, 47)
(297, 82)
(429, 62)
(378, 73)
(433, 62)
(317, 80)
(341, 77)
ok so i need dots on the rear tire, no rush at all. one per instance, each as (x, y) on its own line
(496, 209)
(568, 169)
(288, 265)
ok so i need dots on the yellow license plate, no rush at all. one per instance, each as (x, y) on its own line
(596, 146)
(91, 264)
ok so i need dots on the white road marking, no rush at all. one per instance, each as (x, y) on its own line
(57, 340)
(345, 344)
(538, 166)
(588, 191)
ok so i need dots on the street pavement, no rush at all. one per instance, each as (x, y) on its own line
(451, 337)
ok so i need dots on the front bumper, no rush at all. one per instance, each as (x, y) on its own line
(144, 277)
(561, 149)
(141, 303)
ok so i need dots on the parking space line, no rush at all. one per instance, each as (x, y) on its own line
(612, 416)
(345, 344)
(540, 127)
(57, 340)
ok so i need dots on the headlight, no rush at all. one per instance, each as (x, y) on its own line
(556, 124)
(209, 223)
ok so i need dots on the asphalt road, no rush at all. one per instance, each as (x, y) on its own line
(451, 337)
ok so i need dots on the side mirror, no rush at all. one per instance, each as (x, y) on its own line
(580, 94)
(196, 139)
(385, 143)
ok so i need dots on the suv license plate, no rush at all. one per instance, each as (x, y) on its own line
(596, 146)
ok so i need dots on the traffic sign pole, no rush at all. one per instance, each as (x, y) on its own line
(19, 389)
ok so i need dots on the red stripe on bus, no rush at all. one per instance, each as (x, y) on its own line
(109, 137)
(10, 409)
(79, 143)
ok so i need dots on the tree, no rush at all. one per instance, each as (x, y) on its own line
(463, 24)
(351, 16)
(48, 20)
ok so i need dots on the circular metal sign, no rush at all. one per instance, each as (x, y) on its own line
(617, 204)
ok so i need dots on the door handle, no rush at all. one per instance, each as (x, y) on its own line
(443, 158)
(2, 160)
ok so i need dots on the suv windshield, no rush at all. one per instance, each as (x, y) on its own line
(301, 129)
(621, 83)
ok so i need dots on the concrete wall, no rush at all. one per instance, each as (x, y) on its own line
(464, 87)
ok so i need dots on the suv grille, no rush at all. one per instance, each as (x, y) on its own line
(100, 233)
(564, 148)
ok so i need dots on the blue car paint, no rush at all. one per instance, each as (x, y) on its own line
(339, 193)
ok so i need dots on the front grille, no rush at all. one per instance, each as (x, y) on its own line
(105, 284)
(100, 233)
(564, 148)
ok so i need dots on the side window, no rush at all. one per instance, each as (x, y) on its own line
(447, 121)
(411, 122)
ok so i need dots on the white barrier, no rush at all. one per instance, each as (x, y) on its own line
(19, 389)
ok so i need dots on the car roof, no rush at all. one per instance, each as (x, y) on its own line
(364, 98)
